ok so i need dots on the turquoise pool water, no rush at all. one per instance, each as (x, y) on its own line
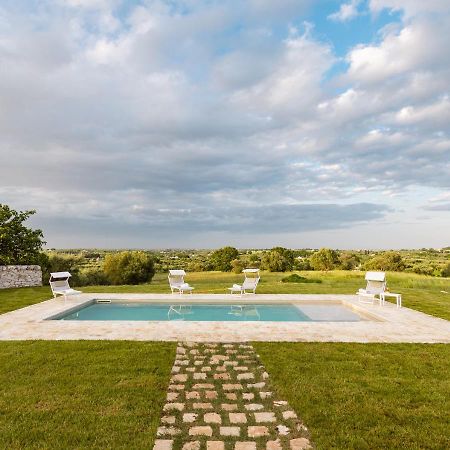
(214, 313)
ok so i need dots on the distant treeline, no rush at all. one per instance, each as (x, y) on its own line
(95, 266)
(21, 244)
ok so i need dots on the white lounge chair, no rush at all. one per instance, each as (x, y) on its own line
(176, 282)
(376, 285)
(59, 283)
(250, 282)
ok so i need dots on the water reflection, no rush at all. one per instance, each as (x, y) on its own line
(180, 312)
(244, 311)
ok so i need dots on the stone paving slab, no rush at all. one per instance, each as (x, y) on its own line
(225, 413)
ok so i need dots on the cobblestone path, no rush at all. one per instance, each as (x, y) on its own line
(219, 398)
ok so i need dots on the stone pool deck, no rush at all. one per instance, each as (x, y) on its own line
(384, 323)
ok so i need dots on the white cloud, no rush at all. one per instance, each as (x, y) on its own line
(377, 138)
(346, 12)
(440, 202)
(293, 85)
(436, 114)
(417, 46)
(410, 7)
(90, 4)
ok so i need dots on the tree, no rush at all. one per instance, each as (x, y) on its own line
(254, 259)
(324, 259)
(302, 264)
(279, 259)
(221, 259)
(18, 243)
(129, 267)
(386, 261)
(349, 260)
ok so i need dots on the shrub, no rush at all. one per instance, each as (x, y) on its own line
(278, 259)
(391, 261)
(244, 262)
(295, 278)
(221, 259)
(446, 271)
(198, 266)
(324, 259)
(58, 263)
(92, 277)
(129, 267)
(422, 269)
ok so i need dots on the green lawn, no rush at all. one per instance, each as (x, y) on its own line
(419, 291)
(365, 396)
(109, 394)
(11, 299)
(96, 395)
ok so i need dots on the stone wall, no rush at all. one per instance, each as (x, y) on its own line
(20, 276)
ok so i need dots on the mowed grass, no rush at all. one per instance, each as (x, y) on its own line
(365, 396)
(99, 395)
(83, 395)
(11, 299)
(420, 292)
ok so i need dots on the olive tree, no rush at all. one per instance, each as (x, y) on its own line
(279, 259)
(324, 259)
(349, 260)
(221, 259)
(392, 261)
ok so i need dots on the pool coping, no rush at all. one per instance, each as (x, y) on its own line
(248, 300)
(387, 323)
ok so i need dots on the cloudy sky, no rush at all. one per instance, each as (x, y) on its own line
(200, 123)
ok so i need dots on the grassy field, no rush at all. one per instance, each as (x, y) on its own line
(96, 395)
(419, 291)
(365, 396)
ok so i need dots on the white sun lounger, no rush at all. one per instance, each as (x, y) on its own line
(250, 283)
(376, 285)
(59, 283)
(176, 282)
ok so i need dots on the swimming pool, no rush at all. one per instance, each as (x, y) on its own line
(141, 311)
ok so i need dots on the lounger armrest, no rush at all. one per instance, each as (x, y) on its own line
(235, 288)
(67, 292)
